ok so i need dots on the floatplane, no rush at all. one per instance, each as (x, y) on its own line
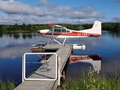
(58, 31)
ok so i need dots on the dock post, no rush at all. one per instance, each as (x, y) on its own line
(23, 68)
(59, 73)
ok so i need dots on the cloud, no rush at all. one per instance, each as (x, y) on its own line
(86, 12)
(11, 0)
(43, 3)
(19, 12)
(118, 1)
(17, 8)
(116, 19)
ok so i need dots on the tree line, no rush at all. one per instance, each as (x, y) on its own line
(34, 27)
(22, 28)
(111, 26)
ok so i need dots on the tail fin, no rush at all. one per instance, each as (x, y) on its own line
(96, 27)
(95, 30)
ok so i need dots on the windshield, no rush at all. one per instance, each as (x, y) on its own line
(59, 30)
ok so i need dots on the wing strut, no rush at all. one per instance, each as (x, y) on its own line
(64, 41)
(57, 41)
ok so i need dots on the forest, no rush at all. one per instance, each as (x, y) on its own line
(114, 27)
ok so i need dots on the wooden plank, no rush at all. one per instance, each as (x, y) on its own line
(64, 53)
(47, 70)
(37, 49)
(36, 85)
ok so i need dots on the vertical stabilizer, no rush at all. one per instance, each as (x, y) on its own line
(95, 30)
(96, 27)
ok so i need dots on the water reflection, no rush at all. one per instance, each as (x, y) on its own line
(111, 33)
(17, 35)
(11, 62)
(20, 39)
(114, 34)
(11, 69)
(111, 66)
(1, 35)
(107, 47)
(14, 51)
(12, 47)
(94, 60)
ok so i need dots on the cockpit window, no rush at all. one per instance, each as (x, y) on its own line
(63, 30)
(59, 30)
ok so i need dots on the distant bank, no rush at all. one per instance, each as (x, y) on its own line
(115, 27)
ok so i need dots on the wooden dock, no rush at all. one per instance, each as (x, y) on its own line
(62, 51)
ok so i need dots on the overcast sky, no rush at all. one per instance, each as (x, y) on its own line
(58, 11)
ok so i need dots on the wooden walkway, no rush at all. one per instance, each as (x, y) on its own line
(63, 52)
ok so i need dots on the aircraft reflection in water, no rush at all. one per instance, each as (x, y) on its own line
(95, 60)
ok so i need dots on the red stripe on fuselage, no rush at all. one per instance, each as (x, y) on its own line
(71, 34)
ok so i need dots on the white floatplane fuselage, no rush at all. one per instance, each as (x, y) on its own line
(57, 31)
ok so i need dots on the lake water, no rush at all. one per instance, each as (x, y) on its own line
(13, 46)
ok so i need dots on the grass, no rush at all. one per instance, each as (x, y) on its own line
(92, 81)
(9, 85)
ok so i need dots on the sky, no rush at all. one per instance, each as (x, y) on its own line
(58, 11)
